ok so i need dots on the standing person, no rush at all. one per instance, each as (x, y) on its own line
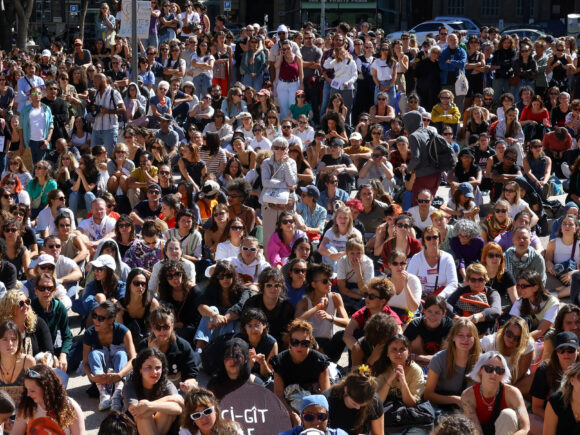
(59, 109)
(37, 125)
(106, 125)
(26, 85)
(311, 56)
(345, 76)
(290, 76)
(384, 74)
(503, 64)
(452, 62)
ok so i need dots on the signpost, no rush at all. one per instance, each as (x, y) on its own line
(227, 5)
(74, 9)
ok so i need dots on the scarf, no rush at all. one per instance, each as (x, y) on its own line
(494, 228)
(515, 265)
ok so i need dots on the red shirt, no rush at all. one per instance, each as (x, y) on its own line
(529, 115)
(551, 143)
(484, 414)
(362, 315)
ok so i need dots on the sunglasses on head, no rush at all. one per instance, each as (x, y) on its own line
(294, 342)
(490, 369)
(198, 415)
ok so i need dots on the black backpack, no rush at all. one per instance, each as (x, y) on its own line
(441, 153)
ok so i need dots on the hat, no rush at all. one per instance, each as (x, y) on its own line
(167, 117)
(245, 115)
(140, 79)
(188, 83)
(282, 28)
(371, 34)
(46, 53)
(426, 115)
(104, 260)
(337, 141)
(312, 191)
(566, 338)
(44, 259)
(78, 41)
(309, 431)
(264, 92)
(68, 61)
(209, 188)
(154, 186)
(356, 136)
(314, 399)
(466, 189)
(466, 152)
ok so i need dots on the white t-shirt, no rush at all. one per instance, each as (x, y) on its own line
(338, 242)
(96, 232)
(345, 271)
(264, 144)
(305, 136)
(400, 300)
(516, 208)
(226, 250)
(46, 221)
(550, 315)
(428, 275)
(37, 124)
(489, 343)
(414, 212)
(384, 71)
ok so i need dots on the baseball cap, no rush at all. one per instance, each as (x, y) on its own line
(44, 259)
(356, 136)
(566, 339)
(154, 186)
(282, 28)
(104, 260)
(264, 92)
(466, 189)
(46, 53)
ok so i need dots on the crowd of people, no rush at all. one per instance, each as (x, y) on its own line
(258, 208)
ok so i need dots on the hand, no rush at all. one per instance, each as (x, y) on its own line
(405, 275)
(566, 278)
(139, 409)
(61, 362)
(187, 385)
(323, 304)
(400, 374)
(323, 315)
(45, 145)
(100, 379)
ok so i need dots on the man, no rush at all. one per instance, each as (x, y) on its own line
(428, 177)
(556, 145)
(357, 153)
(59, 109)
(522, 256)
(37, 125)
(312, 213)
(26, 85)
(421, 213)
(82, 57)
(522, 219)
(505, 171)
(151, 207)
(216, 97)
(208, 199)
(343, 29)
(311, 56)
(373, 212)
(202, 113)
(45, 65)
(106, 125)
(452, 62)
(169, 136)
(289, 136)
(442, 37)
(378, 167)
(119, 76)
(68, 273)
(483, 34)
(141, 178)
(98, 227)
(187, 55)
(166, 180)
(60, 147)
(314, 416)
(155, 66)
(275, 50)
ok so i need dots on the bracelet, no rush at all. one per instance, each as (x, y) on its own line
(332, 319)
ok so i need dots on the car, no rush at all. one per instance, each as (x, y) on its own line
(473, 27)
(533, 34)
(423, 29)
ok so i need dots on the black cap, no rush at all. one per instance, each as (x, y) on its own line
(566, 339)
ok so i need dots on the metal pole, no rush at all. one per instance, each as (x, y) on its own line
(135, 42)
(322, 17)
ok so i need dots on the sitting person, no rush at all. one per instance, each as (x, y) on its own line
(568, 319)
(250, 262)
(522, 219)
(492, 404)
(205, 415)
(146, 252)
(354, 270)
(172, 251)
(377, 331)
(280, 244)
(314, 411)
(559, 415)
(98, 226)
(407, 297)
(466, 245)
(522, 257)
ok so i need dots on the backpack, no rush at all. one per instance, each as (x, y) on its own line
(441, 153)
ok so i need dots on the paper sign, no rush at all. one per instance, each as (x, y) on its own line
(143, 19)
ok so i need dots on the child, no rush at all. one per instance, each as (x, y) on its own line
(353, 271)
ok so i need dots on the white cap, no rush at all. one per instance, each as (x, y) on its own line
(46, 53)
(282, 28)
(43, 259)
(104, 260)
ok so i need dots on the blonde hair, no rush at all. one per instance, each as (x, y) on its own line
(476, 269)
(354, 244)
(437, 214)
(517, 188)
(519, 351)
(474, 352)
(342, 209)
(9, 305)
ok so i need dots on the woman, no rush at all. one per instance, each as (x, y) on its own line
(498, 222)
(263, 108)
(559, 414)
(217, 229)
(178, 291)
(238, 191)
(46, 218)
(290, 76)
(191, 167)
(254, 331)
(105, 26)
(402, 240)
(492, 404)
(382, 113)
(562, 256)
(233, 106)
(39, 187)
(333, 125)
(407, 297)
(440, 221)
(15, 164)
(402, 66)
(80, 135)
(500, 279)
(203, 415)
(354, 270)
(323, 309)
(86, 180)
(234, 369)
(445, 113)
(449, 368)
(147, 251)
(108, 352)
(119, 168)
(510, 130)
(340, 164)
(435, 268)
(202, 63)
(300, 364)
(67, 167)
(427, 77)
(212, 154)
(514, 343)
(480, 304)
(137, 305)
(354, 405)
(12, 183)
(219, 126)
(280, 244)
(16, 252)
(462, 203)
(44, 396)
(558, 64)
(345, 77)
(68, 92)
(223, 65)
(333, 245)
(549, 375)
(221, 304)
(536, 304)
(125, 234)
(475, 66)
(231, 240)
(535, 119)
(476, 123)
(538, 168)
(336, 104)
(273, 128)
(135, 104)
(511, 193)
(466, 244)
(105, 286)
(12, 355)
(568, 319)
(384, 74)
(503, 64)
(305, 173)
(150, 397)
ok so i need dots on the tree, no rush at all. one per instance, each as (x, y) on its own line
(23, 9)
(83, 15)
(7, 18)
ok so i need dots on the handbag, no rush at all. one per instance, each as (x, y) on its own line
(461, 84)
(36, 202)
(399, 417)
(567, 266)
(276, 196)
(472, 303)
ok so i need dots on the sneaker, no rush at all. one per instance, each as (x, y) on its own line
(117, 401)
(104, 401)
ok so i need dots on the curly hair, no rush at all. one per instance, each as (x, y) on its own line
(226, 267)
(379, 328)
(383, 286)
(271, 274)
(165, 289)
(466, 226)
(53, 394)
(9, 305)
(240, 185)
(160, 388)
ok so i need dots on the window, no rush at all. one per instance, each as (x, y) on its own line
(456, 7)
(525, 5)
(489, 8)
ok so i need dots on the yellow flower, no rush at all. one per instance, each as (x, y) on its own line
(364, 369)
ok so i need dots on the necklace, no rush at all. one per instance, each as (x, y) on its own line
(485, 402)
(5, 372)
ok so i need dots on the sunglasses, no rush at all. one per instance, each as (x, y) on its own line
(509, 334)
(162, 327)
(101, 318)
(10, 230)
(299, 271)
(405, 226)
(225, 276)
(370, 296)
(322, 416)
(491, 369)
(44, 289)
(294, 342)
(493, 255)
(55, 247)
(511, 159)
(423, 201)
(287, 221)
(429, 238)
(399, 263)
(278, 148)
(324, 281)
(245, 248)
(501, 210)
(509, 190)
(47, 267)
(475, 280)
(173, 275)
(567, 349)
(198, 415)
(524, 285)
(21, 303)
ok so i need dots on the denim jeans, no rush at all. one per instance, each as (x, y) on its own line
(36, 151)
(112, 357)
(501, 86)
(153, 40)
(201, 83)
(286, 95)
(167, 36)
(203, 332)
(391, 93)
(253, 82)
(75, 197)
(107, 138)
(325, 98)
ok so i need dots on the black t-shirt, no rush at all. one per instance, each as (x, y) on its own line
(432, 339)
(8, 274)
(180, 358)
(345, 181)
(463, 175)
(566, 421)
(278, 318)
(264, 347)
(144, 211)
(499, 169)
(172, 188)
(507, 280)
(186, 311)
(342, 417)
(304, 374)
(540, 387)
(481, 157)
